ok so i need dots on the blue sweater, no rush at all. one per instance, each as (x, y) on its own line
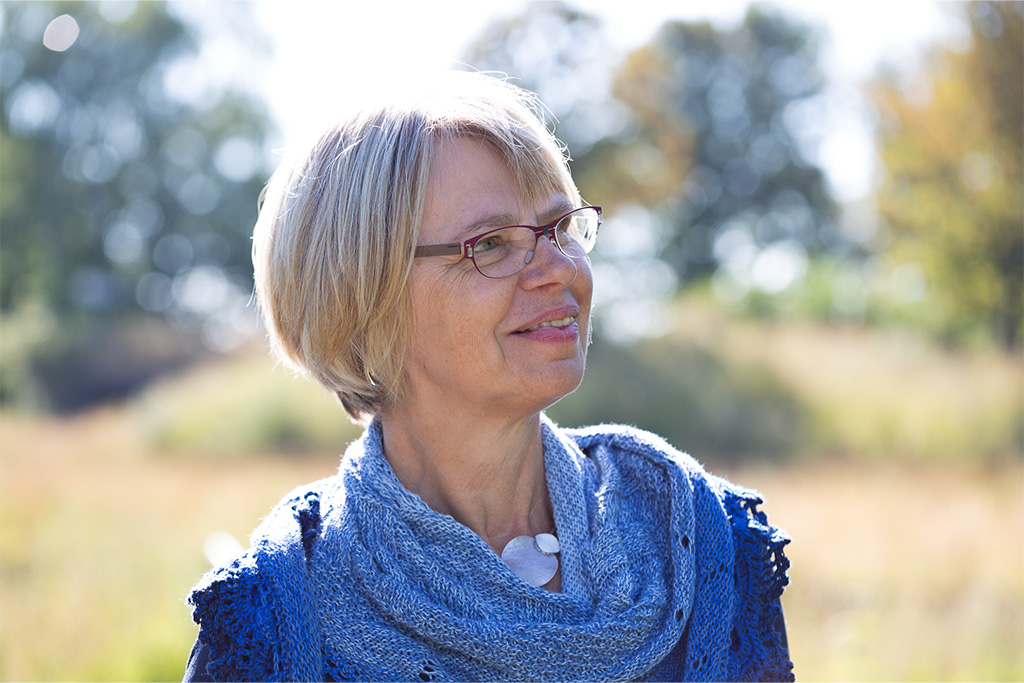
(668, 573)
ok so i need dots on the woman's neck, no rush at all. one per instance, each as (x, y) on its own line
(488, 476)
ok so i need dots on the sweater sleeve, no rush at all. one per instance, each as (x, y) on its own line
(257, 618)
(198, 660)
(238, 625)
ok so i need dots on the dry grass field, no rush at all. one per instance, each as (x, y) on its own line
(100, 541)
(900, 572)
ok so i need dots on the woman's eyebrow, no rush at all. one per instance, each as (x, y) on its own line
(562, 207)
(504, 220)
(500, 220)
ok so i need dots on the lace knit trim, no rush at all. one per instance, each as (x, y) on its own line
(757, 652)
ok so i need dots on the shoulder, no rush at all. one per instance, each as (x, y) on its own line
(255, 613)
(734, 508)
(625, 440)
(760, 575)
(732, 531)
(294, 523)
(740, 505)
(233, 608)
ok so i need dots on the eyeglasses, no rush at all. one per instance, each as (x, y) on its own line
(506, 251)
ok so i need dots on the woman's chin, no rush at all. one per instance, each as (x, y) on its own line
(558, 385)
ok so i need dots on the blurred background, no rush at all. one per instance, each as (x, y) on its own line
(810, 278)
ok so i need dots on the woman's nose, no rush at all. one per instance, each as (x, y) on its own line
(547, 263)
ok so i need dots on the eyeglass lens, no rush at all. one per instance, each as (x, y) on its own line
(504, 252)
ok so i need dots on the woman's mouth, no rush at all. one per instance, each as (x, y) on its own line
(562, 322)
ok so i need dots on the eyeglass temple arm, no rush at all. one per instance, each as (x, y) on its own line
(452, 249)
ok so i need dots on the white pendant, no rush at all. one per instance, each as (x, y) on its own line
(548, 544)
(529, 561)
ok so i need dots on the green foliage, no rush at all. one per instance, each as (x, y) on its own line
(953, 194)
(711, 134)
(724, 389)
(25, 330)
(877, 291)
(689, 396)
(722, 124)
(728, 389)
(123, 193)
(708, 128)
(561, 52)
(242, 406)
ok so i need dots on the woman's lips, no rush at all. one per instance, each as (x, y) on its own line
(560, 323)
(557, 318)
(559, 330)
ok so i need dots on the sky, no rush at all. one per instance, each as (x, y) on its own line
(322, 52)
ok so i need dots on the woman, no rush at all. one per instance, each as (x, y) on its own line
(465, 536)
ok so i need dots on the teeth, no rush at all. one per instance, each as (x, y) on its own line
(564, 322)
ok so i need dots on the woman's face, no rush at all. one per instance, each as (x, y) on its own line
(478, 344)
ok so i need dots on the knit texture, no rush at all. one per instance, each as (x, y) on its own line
(668, 573)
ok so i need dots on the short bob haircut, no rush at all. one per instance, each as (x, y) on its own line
(338, 225)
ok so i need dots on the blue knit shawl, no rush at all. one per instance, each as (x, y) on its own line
(668, 573)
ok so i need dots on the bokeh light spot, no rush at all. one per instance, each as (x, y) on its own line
(237, 159)
(33, 106)
(61, 33)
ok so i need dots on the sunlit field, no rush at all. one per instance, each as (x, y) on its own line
(902, 573)
(906, 566)
(101, 541)
(898, 573)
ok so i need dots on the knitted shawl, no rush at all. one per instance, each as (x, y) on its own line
(668, 573)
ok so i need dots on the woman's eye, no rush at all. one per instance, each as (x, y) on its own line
(566, 231)
(488, 243)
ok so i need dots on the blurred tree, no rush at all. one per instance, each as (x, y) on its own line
(129, 185)
(713, 131)
(560, 53)
(724, 142)
(953, 190)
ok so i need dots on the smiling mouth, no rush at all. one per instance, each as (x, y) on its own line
(563, 322)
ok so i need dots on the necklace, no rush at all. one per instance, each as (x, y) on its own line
(533, 558)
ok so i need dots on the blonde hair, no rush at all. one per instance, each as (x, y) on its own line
(338, 225)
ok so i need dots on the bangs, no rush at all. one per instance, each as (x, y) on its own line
(538, 165)
(538, 177)
(513, 122)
